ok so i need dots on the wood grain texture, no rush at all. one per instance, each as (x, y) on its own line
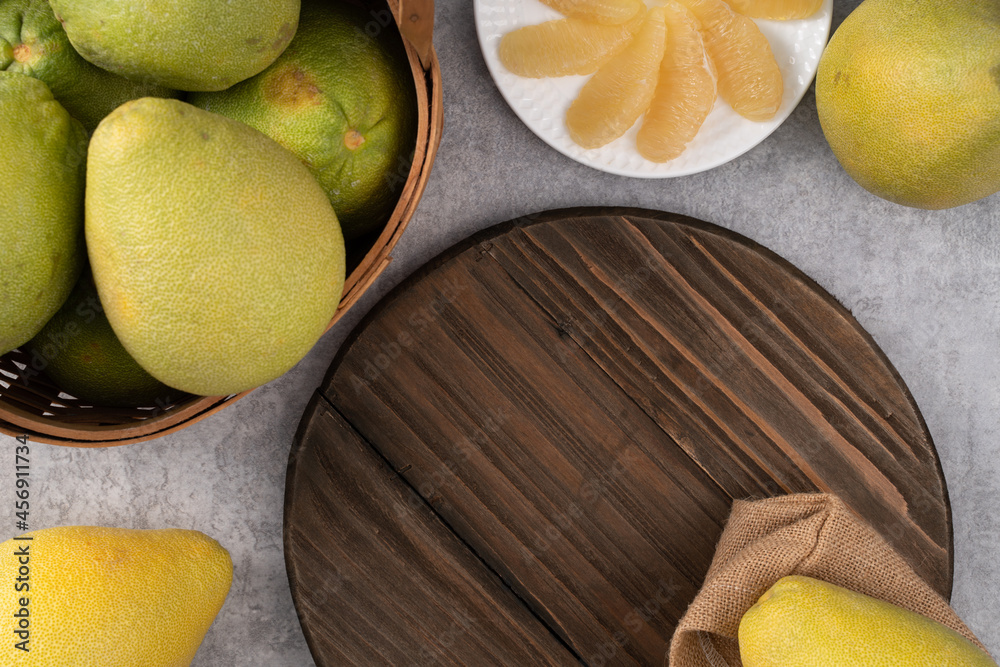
(580, 395)
(379, 579)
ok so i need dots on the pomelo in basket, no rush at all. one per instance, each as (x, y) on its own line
(181, 44)
(79, 351)
(42, 160)
(217, 256)
(33, 42)
(342, 98)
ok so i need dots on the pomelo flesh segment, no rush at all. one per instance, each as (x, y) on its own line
(608, 12)
(749, 78)
(621, 90)
(685, 93)
(779, 10)
(564, 47)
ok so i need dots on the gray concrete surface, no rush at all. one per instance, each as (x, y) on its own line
(926, 285)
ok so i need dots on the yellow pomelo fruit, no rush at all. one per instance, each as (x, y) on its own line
(908, 97)
(621, 91)
(749, 78)
(43, 154)
(180, 44)
(685, 93)
(804, 622)
(565, 47)
(217, 256)
(33, 42)
(79, 351)
(779, 10)
(110, 597)
(610, 12)
(342, 98)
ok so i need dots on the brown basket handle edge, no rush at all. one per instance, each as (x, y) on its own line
(416, 24)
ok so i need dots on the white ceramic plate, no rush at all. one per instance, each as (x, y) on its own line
(542, 103)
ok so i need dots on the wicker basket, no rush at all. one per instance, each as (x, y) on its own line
(31, 405)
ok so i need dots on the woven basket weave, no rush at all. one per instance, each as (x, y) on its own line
(32, 405)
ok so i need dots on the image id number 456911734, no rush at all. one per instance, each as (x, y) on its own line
(22, 473)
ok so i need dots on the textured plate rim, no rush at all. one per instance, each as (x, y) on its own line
(745, 133)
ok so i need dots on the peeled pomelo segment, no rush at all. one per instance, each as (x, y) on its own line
(608, 12)
(749, 78)
(564, 47)
(621, 90)
(779, 10)
(685, 93)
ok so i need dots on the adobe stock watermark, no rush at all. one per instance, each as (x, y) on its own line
(634, 621)
(22, 552)
(590, 493)
(45, 349)
(417, 324)
(458, 452)
(334, 581)
(396, 178)
(596, 320)
(380, 19)
(446, 639)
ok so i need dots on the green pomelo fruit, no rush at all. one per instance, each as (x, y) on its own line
(342, 98)
(217, 256)
(79, 351)
(181, 44)
(33, 42)
(908, 95)
(805, 622)
(43, 153)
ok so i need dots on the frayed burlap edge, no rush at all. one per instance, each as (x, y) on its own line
(814, 535)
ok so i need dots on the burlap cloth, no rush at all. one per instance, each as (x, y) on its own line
(815, 535)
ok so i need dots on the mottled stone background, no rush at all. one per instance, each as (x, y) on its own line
(924, 284)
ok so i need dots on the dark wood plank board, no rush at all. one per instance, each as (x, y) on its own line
(378, 579)
(581, 395)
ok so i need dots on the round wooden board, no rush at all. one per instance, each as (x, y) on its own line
(526, 453)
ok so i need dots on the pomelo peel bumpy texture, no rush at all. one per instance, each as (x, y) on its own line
(41, 206)
(217, 256)
(182, 44)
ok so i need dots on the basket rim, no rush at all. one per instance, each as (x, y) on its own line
(18, 422)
